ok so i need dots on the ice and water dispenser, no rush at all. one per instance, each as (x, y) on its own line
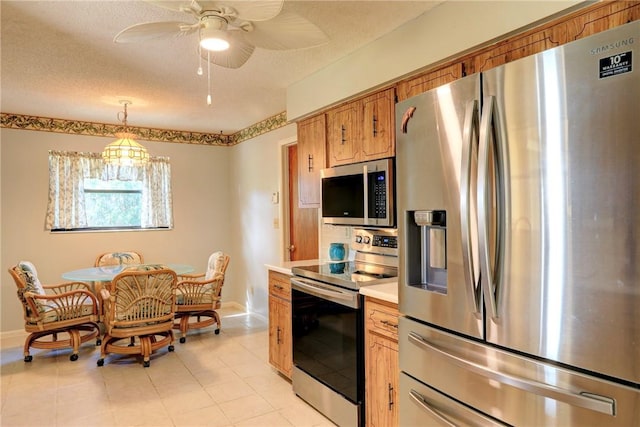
(427, 250)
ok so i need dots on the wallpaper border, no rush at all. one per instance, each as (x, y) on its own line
(75, 127)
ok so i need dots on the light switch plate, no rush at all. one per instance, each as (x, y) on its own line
(275, 198)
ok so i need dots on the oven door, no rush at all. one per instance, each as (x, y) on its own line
(328, 336)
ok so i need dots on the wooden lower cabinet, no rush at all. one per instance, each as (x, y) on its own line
(381, 363)
(280, 338)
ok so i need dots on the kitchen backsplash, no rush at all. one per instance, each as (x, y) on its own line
(335, 234)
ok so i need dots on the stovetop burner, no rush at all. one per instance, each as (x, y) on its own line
(376, 262)
(348, 274)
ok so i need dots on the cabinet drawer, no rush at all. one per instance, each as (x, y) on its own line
(381, 317)
(279, 285)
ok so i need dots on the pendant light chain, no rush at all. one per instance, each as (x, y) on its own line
(125, 151)
(208, 77)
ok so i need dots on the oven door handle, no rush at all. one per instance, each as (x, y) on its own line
(341, 297)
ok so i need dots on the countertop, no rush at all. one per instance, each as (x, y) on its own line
(285, 267)
(386, 291)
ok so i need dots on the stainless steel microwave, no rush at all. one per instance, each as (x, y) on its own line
(359, 194)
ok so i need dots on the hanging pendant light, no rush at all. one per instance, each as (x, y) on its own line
(125, 151)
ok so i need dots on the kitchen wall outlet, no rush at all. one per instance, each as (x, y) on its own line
(275, 198)
(276, 223)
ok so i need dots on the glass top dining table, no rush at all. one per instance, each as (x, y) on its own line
(107, 273)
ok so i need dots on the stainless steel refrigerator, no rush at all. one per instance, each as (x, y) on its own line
(518, 217)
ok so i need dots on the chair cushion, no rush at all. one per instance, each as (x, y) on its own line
(203, 297)
(50, 313)
(119, 258)
(146, 267)
(31, 278)
(215, 264)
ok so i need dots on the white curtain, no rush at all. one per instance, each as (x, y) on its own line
(156, 194)
(69, 169)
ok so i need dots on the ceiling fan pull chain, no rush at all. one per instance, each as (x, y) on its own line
(209, 78)
(199, 60)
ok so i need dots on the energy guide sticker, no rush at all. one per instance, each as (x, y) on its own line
(616, 64)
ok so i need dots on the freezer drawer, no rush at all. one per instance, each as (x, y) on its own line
(423, 406)
(514, 389)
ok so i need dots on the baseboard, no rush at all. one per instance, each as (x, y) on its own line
(234, 304)
(238, 306)
(12, 335)
(20, 333)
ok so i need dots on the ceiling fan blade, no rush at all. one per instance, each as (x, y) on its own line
(153, 31)
(261, 10)
(286, 31)
(177, 6)
(237, 54)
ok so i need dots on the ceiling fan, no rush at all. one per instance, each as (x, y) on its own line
(229, 31)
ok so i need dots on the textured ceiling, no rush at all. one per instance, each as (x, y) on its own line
(59, 60)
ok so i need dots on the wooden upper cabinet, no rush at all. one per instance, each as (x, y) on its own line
(362, 130)
(430, 80)
(311, 159)
(378, 126)
(343, 137)
(600, 17)
(586, 22)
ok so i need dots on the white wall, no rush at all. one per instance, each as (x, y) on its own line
(448, 29)
(200, 180)
(222, 196)
(255, 174)
(221, 201)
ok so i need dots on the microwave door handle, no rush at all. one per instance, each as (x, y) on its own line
(366, 193)
(469, 156)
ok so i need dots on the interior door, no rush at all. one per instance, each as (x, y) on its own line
(303, 222)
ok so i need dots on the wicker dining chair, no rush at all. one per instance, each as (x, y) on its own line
(198, 296)
(119, 258)
(138, 311)
(56, 316)
(108, 259)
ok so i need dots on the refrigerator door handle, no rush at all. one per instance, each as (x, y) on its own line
(469, 155)
(422, 402)
(487, 273)
(583, 399)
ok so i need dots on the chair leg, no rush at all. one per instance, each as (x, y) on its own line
(75, 344)
(145, 349)
(184, 327)
(218, 325)
(27, 344)
(103, 349)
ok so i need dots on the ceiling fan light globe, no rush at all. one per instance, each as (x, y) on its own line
(215, 44)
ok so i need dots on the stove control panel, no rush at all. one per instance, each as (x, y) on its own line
(385, 241)
(382, 241)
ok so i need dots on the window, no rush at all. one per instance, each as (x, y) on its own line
(87, 194)
(113, 203)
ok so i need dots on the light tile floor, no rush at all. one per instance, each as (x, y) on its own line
(211, 380)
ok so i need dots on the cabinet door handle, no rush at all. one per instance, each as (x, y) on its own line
(390, 396)
(375, 125)
(387, 323)
(310, 163)
(342, 134)
(278, 335)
